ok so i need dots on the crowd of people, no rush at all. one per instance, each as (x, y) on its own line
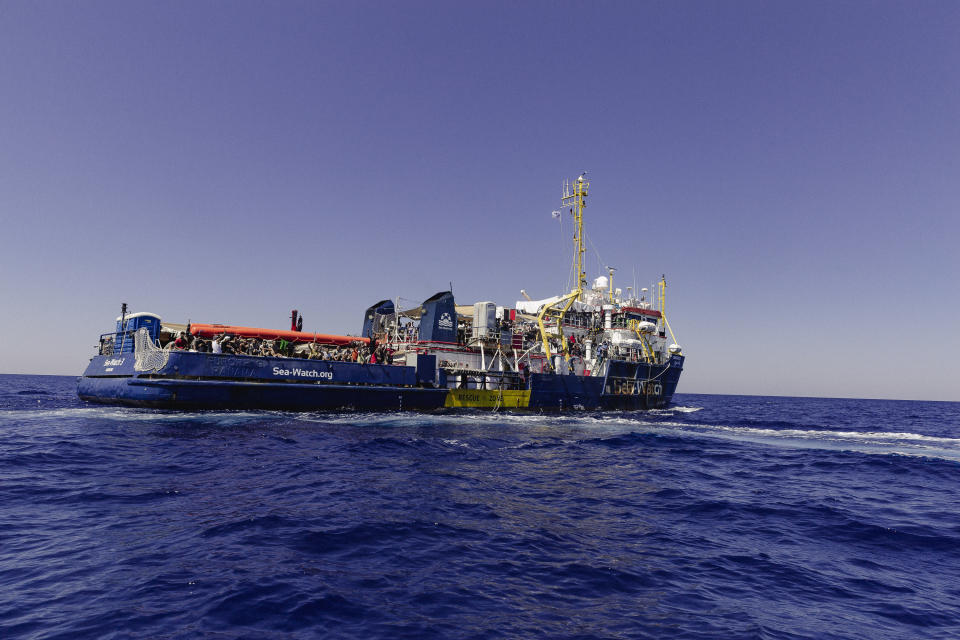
(357, 351)
(364, 354)
(375, 352)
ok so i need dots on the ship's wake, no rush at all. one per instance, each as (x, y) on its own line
(483, 425)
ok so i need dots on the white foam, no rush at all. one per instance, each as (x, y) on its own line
(120, 414)
(609, 424)
(871, 442)
(866, 436)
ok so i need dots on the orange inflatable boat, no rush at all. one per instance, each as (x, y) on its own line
(212, 330)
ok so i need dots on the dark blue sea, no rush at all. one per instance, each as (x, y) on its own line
(723, 517)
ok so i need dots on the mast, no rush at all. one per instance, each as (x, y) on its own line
(663, 306)
(574, 195)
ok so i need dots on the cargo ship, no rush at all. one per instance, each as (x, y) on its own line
(592, 348)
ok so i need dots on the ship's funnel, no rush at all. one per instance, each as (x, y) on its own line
(372, 319)
(439, 320)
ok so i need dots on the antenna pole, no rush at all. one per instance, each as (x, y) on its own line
(123, 326)
(575, 194)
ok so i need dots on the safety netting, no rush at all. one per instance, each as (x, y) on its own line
(148, 356)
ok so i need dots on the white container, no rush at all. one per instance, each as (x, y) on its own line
(484, 319)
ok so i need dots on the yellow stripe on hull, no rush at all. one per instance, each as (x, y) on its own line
(488, 399)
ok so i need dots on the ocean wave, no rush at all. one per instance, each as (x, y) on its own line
(571, 427)
(616, 425)
(868, 436)
(119, 413)
(88, 415)
(681, 409)
(871, 442)
(415, 419)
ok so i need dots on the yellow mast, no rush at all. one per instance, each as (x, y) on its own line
(662, 294)
(575, 195)
(662, 286)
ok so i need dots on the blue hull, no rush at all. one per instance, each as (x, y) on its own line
(220, 381)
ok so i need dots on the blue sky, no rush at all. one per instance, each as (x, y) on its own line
(792, 167)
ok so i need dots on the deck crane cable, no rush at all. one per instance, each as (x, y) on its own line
(563, 240)
(597, 253)
(573, 257)
(665, 369)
